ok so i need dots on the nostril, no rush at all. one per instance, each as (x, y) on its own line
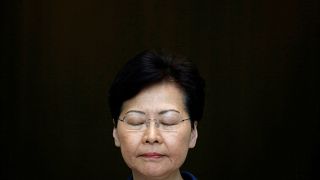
(150, 141)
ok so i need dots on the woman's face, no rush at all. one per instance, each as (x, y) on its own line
(154, 152)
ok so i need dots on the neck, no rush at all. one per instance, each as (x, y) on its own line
(172, 176)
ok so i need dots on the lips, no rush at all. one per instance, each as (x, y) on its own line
(152, 155)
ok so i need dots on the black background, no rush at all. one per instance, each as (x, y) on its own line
(260, 60)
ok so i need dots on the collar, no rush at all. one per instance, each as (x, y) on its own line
(188, 176)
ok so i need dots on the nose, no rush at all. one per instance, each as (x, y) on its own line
(152, 133)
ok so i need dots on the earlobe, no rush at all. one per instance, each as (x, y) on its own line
(194, 136)
(115, 137)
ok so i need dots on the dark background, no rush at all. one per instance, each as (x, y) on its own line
(260, 60)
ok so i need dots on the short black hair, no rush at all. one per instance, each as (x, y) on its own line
(151, 67)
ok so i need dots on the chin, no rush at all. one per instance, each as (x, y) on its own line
(155, 171)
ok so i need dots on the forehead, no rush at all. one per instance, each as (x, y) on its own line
(157, 97)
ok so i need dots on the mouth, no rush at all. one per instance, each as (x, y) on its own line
(152, 155)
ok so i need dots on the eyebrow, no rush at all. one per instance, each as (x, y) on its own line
(161, 112)
(168, 110)
(135, 111)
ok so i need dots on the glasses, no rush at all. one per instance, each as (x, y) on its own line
(167, 120)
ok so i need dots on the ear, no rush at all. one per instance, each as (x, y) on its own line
(115, 137)
(193, 136)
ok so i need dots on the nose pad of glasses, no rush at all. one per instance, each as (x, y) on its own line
(156, 122)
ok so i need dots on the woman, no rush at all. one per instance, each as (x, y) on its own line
(156, 101)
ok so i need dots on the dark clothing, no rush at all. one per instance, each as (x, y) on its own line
(185, 175)
(188, 176)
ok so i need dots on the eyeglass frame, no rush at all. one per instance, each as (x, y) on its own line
(147, 120)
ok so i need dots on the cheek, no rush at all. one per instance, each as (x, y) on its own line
(128, 145)
(178, 146)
